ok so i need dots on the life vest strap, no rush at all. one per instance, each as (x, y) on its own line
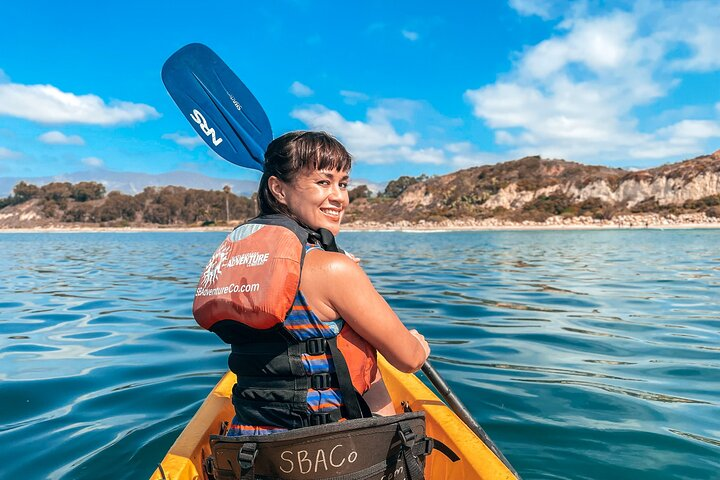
(353, 403)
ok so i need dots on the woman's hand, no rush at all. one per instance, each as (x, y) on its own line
(353, 257)
(423, 343)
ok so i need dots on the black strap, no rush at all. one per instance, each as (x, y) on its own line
(426, 445)
(354, 405)
(408, 438)
(326, 239)
(323, 418)
(246, 459)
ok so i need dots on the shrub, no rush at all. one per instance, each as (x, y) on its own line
(395, 188)
(23, 192)
(84, 191)
(361, 191)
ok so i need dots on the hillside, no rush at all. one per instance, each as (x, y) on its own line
(531, 189)
(535, 189)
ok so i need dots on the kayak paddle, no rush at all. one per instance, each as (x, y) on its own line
(461, 411)
(218, 105)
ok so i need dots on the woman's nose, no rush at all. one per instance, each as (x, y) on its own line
(336, 193)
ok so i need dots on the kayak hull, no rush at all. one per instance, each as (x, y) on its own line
(185, 458)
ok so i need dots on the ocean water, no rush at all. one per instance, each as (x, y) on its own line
(584, 355)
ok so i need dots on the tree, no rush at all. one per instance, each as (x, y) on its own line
(56, 191)
(55, 197)
(395, 188)
(85, 191)
(226, 189)
(23, 192)
(361, 191)
(117, 206)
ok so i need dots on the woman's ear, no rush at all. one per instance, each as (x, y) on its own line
(277, 188)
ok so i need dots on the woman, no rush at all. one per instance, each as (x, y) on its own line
(306, 178)
(303, 354)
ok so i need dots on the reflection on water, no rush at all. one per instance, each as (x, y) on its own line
(583, 354)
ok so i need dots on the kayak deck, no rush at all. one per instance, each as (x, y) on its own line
(185, 458)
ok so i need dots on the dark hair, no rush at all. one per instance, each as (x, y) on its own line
(289, 154)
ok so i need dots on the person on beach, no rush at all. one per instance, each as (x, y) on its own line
(305, 182)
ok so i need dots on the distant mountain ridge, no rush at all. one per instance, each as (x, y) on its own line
(134, 182)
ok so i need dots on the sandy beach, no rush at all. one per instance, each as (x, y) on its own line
(687, 221)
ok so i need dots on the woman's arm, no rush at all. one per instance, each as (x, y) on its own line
(336, 286)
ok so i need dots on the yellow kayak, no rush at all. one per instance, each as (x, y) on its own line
(185, 458)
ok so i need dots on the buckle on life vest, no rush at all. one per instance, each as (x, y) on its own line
(320, 381)
(246, 455)
(315, 346)
(320, 419)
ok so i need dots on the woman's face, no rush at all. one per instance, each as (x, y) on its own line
(318, 198)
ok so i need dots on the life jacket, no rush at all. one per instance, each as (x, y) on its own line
(297, 376)
(293, 370)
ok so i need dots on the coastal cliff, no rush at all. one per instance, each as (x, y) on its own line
(531, 191)
(536, 189)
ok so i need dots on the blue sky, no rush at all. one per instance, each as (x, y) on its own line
(409, 87)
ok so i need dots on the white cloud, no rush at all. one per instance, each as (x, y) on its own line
(300, 90)
(378, 140)
(189, 142)
(3, 77)
(691, 129)
(464, 155)
(48, 104)
(7, 153)
(528, 8)
(700, 42)
(93, 162)
(600, 44)
(375, 141)
(55, 137)
(433, 156)
(575, 95)
(410, 35)
(353, 98)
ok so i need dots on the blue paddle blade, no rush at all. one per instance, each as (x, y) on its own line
(218, 105)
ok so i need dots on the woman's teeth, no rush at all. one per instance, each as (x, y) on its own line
(332, 213)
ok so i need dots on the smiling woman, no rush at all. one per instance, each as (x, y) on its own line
(305, 178)
(304, 322)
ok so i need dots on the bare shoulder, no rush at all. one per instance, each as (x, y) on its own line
(327, 278)
(335, 266)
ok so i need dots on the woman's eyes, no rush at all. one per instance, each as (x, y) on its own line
(325, 183)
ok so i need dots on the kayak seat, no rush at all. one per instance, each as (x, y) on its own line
(388, 448)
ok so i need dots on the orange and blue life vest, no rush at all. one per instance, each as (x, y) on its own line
(293, 369)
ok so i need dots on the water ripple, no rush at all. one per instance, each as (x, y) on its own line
(583, 354)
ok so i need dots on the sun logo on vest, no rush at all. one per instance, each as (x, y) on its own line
(214, 267)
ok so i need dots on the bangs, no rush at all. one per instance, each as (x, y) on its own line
(320, 151)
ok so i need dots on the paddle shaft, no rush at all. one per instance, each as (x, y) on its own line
(461, 411)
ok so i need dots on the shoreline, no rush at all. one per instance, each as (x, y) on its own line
(628, 222)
